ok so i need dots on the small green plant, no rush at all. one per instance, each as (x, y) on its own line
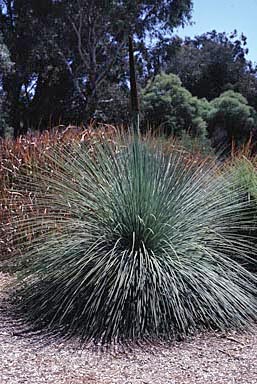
(130, 243)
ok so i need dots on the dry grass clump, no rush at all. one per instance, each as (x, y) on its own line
(21, 157)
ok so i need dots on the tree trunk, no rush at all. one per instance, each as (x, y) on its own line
(12, 86)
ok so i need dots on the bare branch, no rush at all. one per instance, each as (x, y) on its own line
(149, 13)
(78, 31)
(109, 65)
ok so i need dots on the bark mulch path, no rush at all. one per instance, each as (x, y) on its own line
(205, 359)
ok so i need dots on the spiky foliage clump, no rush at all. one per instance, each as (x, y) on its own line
(135, 244)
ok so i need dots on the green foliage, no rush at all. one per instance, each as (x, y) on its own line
(245, 176)
(113, 105)
(72, 54)
(231, 114)
(195, 145)
(171, 107)
(135, 245)
(243, 171)
(212, 63)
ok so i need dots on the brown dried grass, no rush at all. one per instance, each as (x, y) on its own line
(22, 156)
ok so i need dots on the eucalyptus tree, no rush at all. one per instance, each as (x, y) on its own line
(68, 55)
(96, 52)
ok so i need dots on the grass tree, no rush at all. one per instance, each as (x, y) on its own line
(129, 243)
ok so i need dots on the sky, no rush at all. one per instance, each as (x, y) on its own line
(225, 16)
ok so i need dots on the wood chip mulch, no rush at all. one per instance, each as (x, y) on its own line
(204, 359)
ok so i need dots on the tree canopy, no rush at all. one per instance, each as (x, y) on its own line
(69, 55)
(212, 63)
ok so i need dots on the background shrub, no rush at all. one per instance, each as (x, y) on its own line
(230, 119)
(171, 107)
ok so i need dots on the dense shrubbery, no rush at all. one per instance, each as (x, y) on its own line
(130, 243)
(226, 119)
(171, 107)
(212, 63)
(230, 118)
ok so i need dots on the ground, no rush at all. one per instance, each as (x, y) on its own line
(211, 358)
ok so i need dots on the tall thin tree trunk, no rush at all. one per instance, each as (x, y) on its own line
(133, 89)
